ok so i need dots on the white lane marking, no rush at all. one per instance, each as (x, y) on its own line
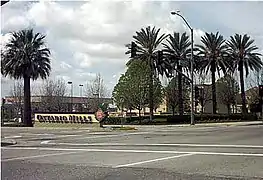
(152, 160)
(135, 151)
(62, 136)
(10, 137)
(75, 131)
(52, 135)
(183, 145)
(69, 135)
(96, 133)
(45, 142)
(112, 135)
(95, 137)
(31, 134)
(37, 156)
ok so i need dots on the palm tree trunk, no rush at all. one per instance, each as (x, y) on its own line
(243, 95)
(202, 105)
(180, 94)
(140, 118)
(130, 114)
(151, 90)
(27, 102)
(229, 109)
(173, 111)
(213, 69)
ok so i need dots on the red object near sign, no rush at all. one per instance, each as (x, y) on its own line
(100, 115)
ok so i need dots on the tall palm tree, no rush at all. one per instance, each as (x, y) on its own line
(243, 55)
(212, 53)
(178, 50)
(147, 41)
(25, 56)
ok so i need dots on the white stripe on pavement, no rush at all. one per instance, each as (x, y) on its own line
(152, 160)
(32, 134)
(37, 156)
(182, 145)
(135, 151)
(10, 137)
(112, 135)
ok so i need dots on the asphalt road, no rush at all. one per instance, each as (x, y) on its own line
(161, 152)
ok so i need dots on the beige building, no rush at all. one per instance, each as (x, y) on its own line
(135, 112)
(222, 108)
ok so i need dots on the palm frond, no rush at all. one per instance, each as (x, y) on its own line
(26, 55)
(243, 53)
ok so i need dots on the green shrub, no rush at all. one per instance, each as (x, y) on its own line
(211, 118)
(177, 119)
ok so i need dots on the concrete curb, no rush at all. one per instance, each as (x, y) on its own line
(8, 142)
(250, 123)
(233, 123)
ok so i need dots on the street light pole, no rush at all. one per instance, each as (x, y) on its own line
(192, 65)
(71, 106)
(192, 77)
(81, 86)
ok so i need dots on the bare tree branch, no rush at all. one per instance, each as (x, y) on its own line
(54, 92)
(17, 92)
(205, 92)
(252, 82)
(95, 90)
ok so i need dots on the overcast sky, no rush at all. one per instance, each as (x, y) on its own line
(88, 37)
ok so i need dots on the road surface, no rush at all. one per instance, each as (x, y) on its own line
(151, 152)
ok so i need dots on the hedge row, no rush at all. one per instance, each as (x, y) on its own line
(185, 119)
(211, 118)
(134, 120)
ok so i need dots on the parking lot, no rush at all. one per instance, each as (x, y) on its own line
(151, 152)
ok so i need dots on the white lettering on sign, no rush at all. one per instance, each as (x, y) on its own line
(66, 118)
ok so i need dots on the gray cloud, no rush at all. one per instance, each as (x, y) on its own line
(88, 37)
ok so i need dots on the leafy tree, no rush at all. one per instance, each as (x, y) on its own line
(178, 50)
(243, 56)
(212, 55)
(228, 89)
(171, 93)
(118, 93)
(158, 93)
(132, 90)
(25, 56)
(138, 81)
(147, 41)
(121, 93)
